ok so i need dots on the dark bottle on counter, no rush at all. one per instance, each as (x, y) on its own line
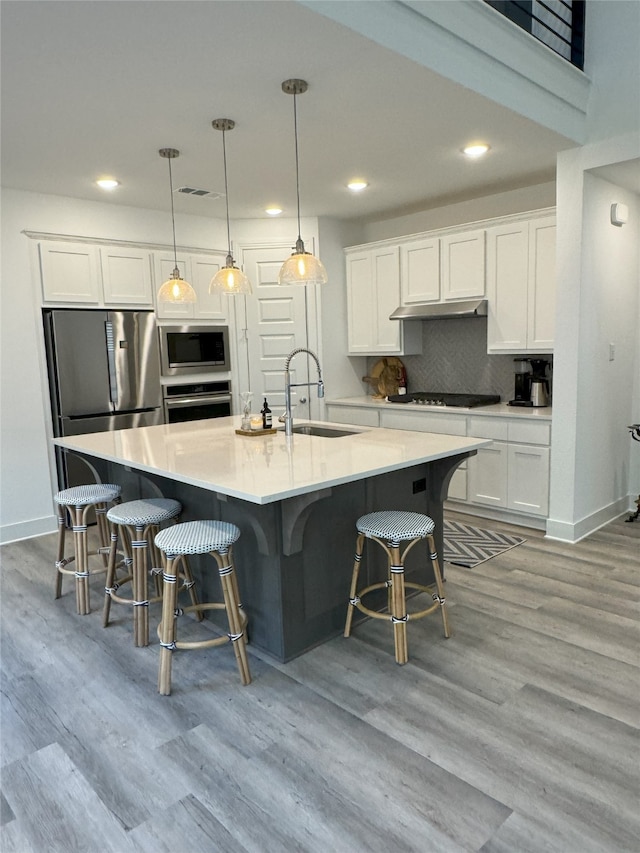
(267, 419)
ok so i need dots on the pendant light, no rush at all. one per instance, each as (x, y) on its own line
(302, 267)
(229, 279)
(175, 289)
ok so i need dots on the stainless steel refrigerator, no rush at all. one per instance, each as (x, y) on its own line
(104, 374)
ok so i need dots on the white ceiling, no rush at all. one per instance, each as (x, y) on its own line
(94, 88)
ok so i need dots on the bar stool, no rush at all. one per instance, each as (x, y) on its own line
(77, 501)
(388, 528)
(200, 537)
(139, 522)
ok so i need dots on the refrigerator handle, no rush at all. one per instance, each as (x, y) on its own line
(111, 362)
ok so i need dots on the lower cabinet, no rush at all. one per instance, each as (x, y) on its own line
(511, 474)
(355, 415)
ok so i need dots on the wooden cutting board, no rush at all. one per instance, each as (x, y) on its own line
(384, 376)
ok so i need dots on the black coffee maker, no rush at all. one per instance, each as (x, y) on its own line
(522, 383)
(540, 396)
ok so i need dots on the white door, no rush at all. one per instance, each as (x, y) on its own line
(270, 323)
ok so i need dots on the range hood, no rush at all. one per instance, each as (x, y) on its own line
(441, 311)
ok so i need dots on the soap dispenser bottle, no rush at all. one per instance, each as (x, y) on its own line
(267, 419)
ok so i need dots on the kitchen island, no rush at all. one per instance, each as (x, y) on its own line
(295, 500)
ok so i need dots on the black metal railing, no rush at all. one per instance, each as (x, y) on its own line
(557, 23)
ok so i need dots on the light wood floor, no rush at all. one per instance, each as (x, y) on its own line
(517, 735)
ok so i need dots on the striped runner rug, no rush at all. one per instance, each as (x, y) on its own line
(469, 546)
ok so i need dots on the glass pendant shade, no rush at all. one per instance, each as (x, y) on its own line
(302, 268)
(230, 279)
(176, 289)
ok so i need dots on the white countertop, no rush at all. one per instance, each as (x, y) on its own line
(265, 468)
(496, 410)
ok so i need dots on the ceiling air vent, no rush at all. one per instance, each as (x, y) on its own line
(199, 192)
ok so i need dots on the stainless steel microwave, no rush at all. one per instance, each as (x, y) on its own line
(187, 350)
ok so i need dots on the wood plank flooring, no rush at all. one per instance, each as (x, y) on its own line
(519, 734)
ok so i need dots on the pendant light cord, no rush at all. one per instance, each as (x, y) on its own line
(173, 219)
(226, 187)
(295, 134)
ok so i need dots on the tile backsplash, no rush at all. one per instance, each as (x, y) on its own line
(454, 359)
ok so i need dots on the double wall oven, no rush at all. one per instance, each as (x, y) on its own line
(194, 353)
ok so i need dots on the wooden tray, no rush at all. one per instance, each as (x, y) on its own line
(256, 431)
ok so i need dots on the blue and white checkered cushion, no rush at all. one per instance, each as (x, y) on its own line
(197, 537)
(147, 511)
(395, 525)
(96, 493)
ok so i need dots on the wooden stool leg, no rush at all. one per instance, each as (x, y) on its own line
(433, 554)
(103, 532)
(236, 627)
(111, 575)
(140, 550)
(60, 561)
(398, 604)
(190, 584)
(79, 517)
(168, 624)
(354, 584)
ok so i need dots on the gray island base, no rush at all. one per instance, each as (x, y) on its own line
(295, 501)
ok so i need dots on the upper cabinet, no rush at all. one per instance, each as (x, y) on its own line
(419, 271)
(521, 280)
(110, 275)
(198, 270)
(463, 272)
(442, 268)
(126, 275)
(69, 272)
(373, 292)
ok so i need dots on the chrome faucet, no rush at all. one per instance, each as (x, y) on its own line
(287, 417)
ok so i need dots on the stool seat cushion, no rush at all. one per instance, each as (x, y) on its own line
(197, 537)
(147, 511)
(95, 493)
(395, 525)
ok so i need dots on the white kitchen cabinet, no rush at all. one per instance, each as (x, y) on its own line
(69, 272)
(420, 270)
(513, 473)
(463, 265)
(210, 306)
(521, 286)
(353, 415)
(126, 276)
(373, 292)
(198, 270)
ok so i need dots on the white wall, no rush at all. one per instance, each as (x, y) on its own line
(597, 303)
(472, 210)
(612, 62)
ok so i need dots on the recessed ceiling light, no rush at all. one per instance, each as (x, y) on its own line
(273, 211)
(357, 185)
(475, 150)
(108, 183)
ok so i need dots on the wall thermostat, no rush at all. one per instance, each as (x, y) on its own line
(619, 214)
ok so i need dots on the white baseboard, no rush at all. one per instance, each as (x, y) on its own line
(574, 531)
(28, 529)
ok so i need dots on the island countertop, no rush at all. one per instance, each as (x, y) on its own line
(265, 468)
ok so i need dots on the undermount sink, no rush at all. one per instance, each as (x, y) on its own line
(323, 431)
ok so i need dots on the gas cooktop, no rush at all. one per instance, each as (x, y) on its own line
(435, 398)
